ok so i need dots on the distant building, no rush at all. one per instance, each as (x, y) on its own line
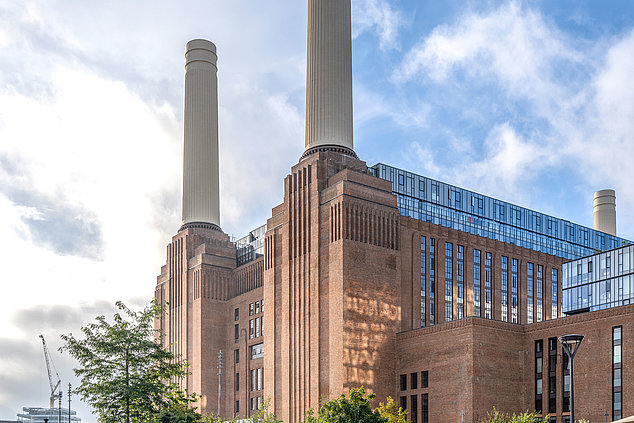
(50, 415)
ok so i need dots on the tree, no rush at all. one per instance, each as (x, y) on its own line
(343, 410)
(496, 416)
(125, 373)
(392, 412)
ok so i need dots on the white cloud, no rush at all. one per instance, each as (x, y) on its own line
(380, 17)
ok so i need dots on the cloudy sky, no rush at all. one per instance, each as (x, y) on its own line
(531, 102)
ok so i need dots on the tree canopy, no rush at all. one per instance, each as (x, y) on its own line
(125, 374)
(355, 409)
(496, 416)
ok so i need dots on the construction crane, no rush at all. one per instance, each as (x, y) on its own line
(54, 385)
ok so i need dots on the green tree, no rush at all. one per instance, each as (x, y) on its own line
(125, 373)
(496, 416)
(392, 412)
(356, 409)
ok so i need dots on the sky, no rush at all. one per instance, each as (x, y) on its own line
(531, 102)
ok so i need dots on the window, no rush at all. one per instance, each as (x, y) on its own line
(251, 309)
(617, 342)
(414, 408)
(425, 408)
(552, 375)
(530, 267)
(424, 382)
(555, 292)
(237, 332)
(261, 325)
(257, 307)
(514, 284)
(237, 381)
(237, 407)
(403, 382)
(476, 281)
(487, 286)
(252, 385)
(236, 356)
(257, 327)
(262, 306)
(403, 404)
(460, 281)
(539, 360)
(237, 314)
(257, 351)
(423, 281)
(448, 281)
(251, 329)
(432, 281)
(414, 380)
(505, 289)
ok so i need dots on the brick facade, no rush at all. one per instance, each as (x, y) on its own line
(341, 282)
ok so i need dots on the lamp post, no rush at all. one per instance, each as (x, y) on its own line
(571, 345)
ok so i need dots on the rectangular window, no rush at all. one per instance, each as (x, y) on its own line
(555, 293)
(403, 404)
(487, 285)
(236, 356)
(403, 381)
(514, 290)
(257, 351)
(252, 384)
(476, 281)
(423, 281)
(530, 267)
(425, 408)
(505, 289)
(262, 306)
(257, 327)
(251, 309)
(237, 407)
(460, 281)
(414, 409)
(540, 293)
(552, 375)
(236, 314)
(261, 325)
(432, 281)
(414, 380)
(237, 333)
(539, 361)
(237, 381)
(617, 342)
(257, 307)
(448, 281)
(251, 329)
(424, 379)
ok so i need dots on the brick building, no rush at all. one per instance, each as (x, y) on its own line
(443, 298)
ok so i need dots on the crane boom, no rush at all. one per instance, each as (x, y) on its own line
(53, 385)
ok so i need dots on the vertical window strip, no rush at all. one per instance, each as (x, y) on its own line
(617, 376)
(514, 285)
(448, 281)
(504, 289)
(476, 281)
(487, 286)
(555, 294)
(432, 281)
(530, 267)
(540, 292)
(460, 282)
(423, 282)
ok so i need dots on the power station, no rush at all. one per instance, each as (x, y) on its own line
(447, 300)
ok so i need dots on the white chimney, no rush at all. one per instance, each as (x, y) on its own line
(329, 76)
(604, 216)
(201, 192)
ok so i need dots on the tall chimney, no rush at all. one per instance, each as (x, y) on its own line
(604, 216)
(329, 77)
(201, 199)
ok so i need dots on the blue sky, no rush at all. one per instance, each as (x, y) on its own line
(531, 102)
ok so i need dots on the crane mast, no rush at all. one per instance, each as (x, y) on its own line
(53, 385)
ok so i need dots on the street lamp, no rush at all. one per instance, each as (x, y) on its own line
(571, 345)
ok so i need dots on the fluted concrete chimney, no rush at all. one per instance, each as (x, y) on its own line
(201, 192)
(329, 77)
(604, 216)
